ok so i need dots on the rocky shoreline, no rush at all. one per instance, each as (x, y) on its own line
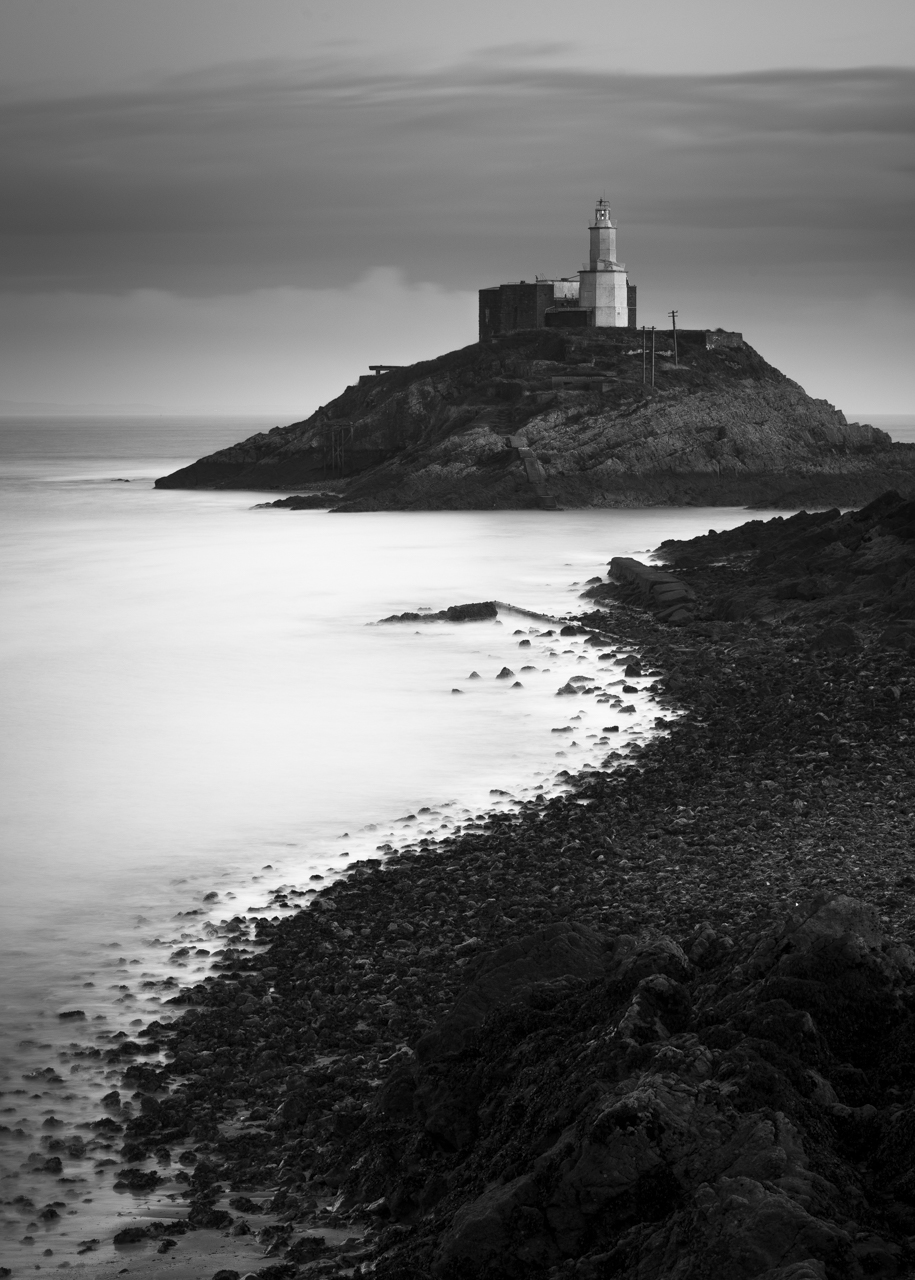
(659, 1026)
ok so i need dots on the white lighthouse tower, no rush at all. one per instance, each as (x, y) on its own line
(603, 282)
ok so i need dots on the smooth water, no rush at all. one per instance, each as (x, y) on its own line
(189, 683)
(193, 689)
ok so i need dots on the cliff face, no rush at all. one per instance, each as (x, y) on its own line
(540, 418)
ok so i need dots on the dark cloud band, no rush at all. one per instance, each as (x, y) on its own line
(309, 175)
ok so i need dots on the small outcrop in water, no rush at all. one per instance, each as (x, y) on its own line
(321, 501)
(543, 418)
(481, 612)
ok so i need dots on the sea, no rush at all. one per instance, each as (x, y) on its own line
(201, 705)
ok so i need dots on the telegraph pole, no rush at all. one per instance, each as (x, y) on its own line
(643, 355)
(652, 355)
(673, 320)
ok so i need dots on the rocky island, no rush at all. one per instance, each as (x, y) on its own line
(546, 417)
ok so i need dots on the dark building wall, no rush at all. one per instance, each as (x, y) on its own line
(507, 307)
(568, 318)
(490, 313)
(631, 305)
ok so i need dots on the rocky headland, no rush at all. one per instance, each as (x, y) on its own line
(543, 418)
(827, 565)
(660, 1027)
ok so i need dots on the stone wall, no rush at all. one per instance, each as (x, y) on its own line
(508, 307)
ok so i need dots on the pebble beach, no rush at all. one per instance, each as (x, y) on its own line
(350, 1080)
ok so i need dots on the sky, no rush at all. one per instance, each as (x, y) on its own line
(234, 206)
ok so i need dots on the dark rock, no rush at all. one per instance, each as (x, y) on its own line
(155, 1230)
(133, 1151)
(509, 975)
(204, 1216)
(839, 637)
(137, 1180)
(244, 1204)
(130, 1235)
(306, 1248)
(274, 1238)
(670, 598)
(454, 613)
(471, 612)
(303, 502)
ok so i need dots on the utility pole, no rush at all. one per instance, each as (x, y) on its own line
(673, 320)
(652, 355)
(643, 355)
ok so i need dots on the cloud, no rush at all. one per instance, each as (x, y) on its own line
(282, 351)
(308, 174)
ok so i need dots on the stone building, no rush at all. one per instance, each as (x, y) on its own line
(598, 296)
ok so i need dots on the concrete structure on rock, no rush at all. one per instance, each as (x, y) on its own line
(599, 296)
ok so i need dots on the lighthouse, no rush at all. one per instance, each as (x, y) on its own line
(603, 284)
(598, 296)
